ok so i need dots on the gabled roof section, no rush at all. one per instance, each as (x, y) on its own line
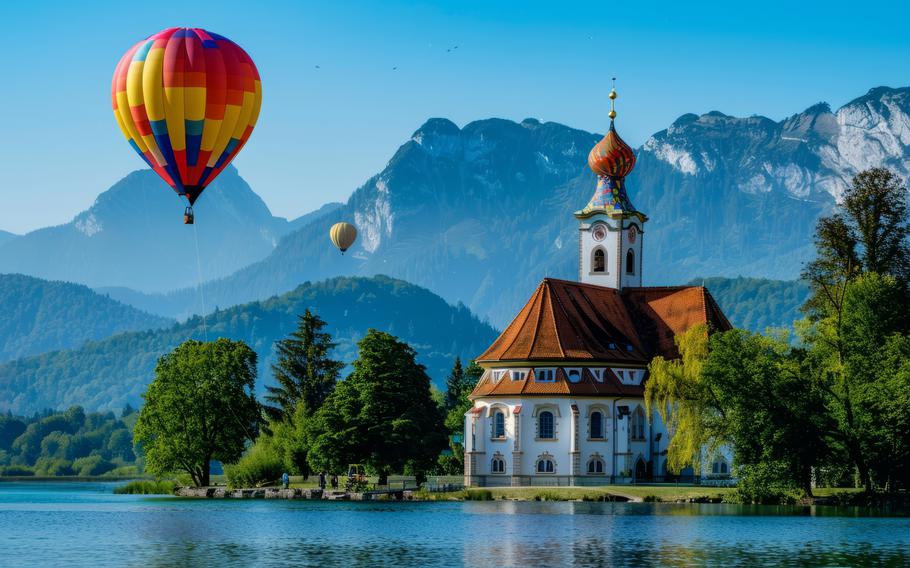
(661, 313)
(570, 321)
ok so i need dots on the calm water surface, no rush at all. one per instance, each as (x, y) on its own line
(84, 524)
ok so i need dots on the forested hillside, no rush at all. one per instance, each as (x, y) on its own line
(38, 316)
(110, 373)
(757, 303)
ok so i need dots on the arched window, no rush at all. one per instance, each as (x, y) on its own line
(637, 424)
(597, 425)
(630, 262)
(498, 465)
(599, 263)
(545, 425)
(499, 424)
(596, 466)
(545, 465)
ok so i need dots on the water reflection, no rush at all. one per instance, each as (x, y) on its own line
(80, 524)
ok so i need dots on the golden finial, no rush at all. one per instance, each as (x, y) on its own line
(612, 114)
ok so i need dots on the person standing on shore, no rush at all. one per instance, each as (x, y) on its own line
(285, 480)
(322, 480)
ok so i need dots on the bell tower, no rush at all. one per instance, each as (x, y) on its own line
(611, 230)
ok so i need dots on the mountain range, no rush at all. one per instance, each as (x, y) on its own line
(480, 214)
(133, 236)
(109, 373)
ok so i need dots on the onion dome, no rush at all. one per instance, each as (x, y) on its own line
(611, 157)
(612, 160)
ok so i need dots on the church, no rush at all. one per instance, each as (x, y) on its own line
(561, 398)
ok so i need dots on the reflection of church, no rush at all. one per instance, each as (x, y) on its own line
(560, 400)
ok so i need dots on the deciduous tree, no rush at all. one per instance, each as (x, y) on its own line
(199, 408)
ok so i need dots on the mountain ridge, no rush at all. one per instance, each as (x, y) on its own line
(133, 236)
(41, 315)
(111, 372)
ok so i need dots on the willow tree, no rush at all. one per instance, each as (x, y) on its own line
(676, 390)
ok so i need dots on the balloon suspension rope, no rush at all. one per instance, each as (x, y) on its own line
(199, 285)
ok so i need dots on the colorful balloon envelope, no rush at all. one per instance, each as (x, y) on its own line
(187, 101)
(343, 235)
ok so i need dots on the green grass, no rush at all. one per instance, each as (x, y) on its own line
(146, 487)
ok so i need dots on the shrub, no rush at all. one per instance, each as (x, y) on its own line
(262, 464)
(651, 499)
(478, 495)
(16, 470)
(53, 466)
(157, 487)
(92, 465)
(123, 471)
(764, 484)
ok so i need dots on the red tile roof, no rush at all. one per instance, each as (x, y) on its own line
(569, 322)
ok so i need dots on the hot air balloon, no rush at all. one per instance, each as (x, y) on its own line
(186, 100)
(343, 235)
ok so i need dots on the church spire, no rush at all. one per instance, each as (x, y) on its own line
(612, 160)
(611, 230)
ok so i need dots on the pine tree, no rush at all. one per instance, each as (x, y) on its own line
(305, 373)
(454, 385)
(382, 415)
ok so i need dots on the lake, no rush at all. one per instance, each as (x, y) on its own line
(85, 524)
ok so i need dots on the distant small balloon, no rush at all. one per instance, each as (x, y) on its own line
(343, 235)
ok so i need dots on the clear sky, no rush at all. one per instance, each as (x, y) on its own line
(323, 132)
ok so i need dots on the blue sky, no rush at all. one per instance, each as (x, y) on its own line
(323, 132)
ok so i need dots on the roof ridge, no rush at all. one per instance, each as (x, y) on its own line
(647, 288)
(545, 293)
(530, 307)
(551, 295)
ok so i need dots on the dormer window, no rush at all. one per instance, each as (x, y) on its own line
(519, 375)
(498, 374)
(545, 375)
(574, 375)
(598, 375)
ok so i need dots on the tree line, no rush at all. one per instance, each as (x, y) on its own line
(830, 406)
(71, 442)
(385, 414)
